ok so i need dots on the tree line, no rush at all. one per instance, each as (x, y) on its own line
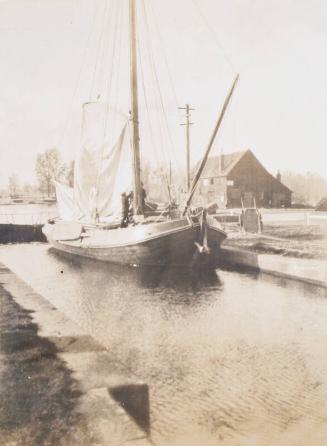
(49, 167)
(160, 182)
(308, 188)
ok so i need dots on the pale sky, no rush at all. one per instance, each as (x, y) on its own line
(50, 50)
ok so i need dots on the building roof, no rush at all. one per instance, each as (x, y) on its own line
(222, 165)
(226, 161)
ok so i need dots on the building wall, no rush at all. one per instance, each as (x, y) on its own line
(249, 182)
(210, 190)
(252, 182)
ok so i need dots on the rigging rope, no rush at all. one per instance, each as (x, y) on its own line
(149, 121)
(152, 79)
(146, 104)
(177, 102)
(170, 77)
(212, 31)
(105, 48)
(154, 72)
(117, 52)
(160, 128)
(79, 76)
(111, 122)
(101, 37)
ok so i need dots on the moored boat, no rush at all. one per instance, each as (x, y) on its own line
(173, 242)
(92, 225)
(166, 243)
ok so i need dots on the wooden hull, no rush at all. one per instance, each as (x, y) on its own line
(167, 243)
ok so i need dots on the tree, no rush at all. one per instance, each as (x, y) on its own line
(70, 173)
(13, 184)
(49, 167)
(29, 189)
(307, 188)
(26, 189)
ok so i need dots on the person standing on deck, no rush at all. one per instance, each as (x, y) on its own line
(242, 220)
(130, 197)
(125, 210)
(143, 196)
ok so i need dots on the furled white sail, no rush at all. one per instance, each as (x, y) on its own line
(103, 167)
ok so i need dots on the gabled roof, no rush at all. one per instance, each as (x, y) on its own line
(222, 165)
(226, 162)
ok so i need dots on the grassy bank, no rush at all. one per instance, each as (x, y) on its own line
(300, 241)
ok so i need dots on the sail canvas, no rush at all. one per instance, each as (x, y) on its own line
(103, 168)
(65, 201)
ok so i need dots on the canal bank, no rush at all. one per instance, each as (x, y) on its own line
(305, 270)
(295, 252)
(58, 385)
(19, 233)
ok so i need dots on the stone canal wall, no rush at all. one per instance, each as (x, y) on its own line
(60, 386)
(307, 270)
(19, 233)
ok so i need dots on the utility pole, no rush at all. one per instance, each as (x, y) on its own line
(187, 124)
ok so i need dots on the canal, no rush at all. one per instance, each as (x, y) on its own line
(230, 358)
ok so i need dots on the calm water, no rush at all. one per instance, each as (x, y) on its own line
(230, 360)
(27, 214)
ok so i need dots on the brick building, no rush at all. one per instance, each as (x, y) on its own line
(232, 178)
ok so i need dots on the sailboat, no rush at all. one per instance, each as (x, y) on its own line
(91, 212)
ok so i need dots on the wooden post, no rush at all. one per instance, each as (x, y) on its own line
(137, 190)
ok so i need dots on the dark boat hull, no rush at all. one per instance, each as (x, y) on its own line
(168, 243)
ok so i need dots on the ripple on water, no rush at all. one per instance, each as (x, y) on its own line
(238, 360)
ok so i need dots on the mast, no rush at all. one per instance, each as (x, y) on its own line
(137, 190)
(212, 140)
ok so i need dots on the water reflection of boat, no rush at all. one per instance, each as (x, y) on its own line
(156, 277)
(92, 211)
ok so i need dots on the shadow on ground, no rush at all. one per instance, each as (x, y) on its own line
(38, 394)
